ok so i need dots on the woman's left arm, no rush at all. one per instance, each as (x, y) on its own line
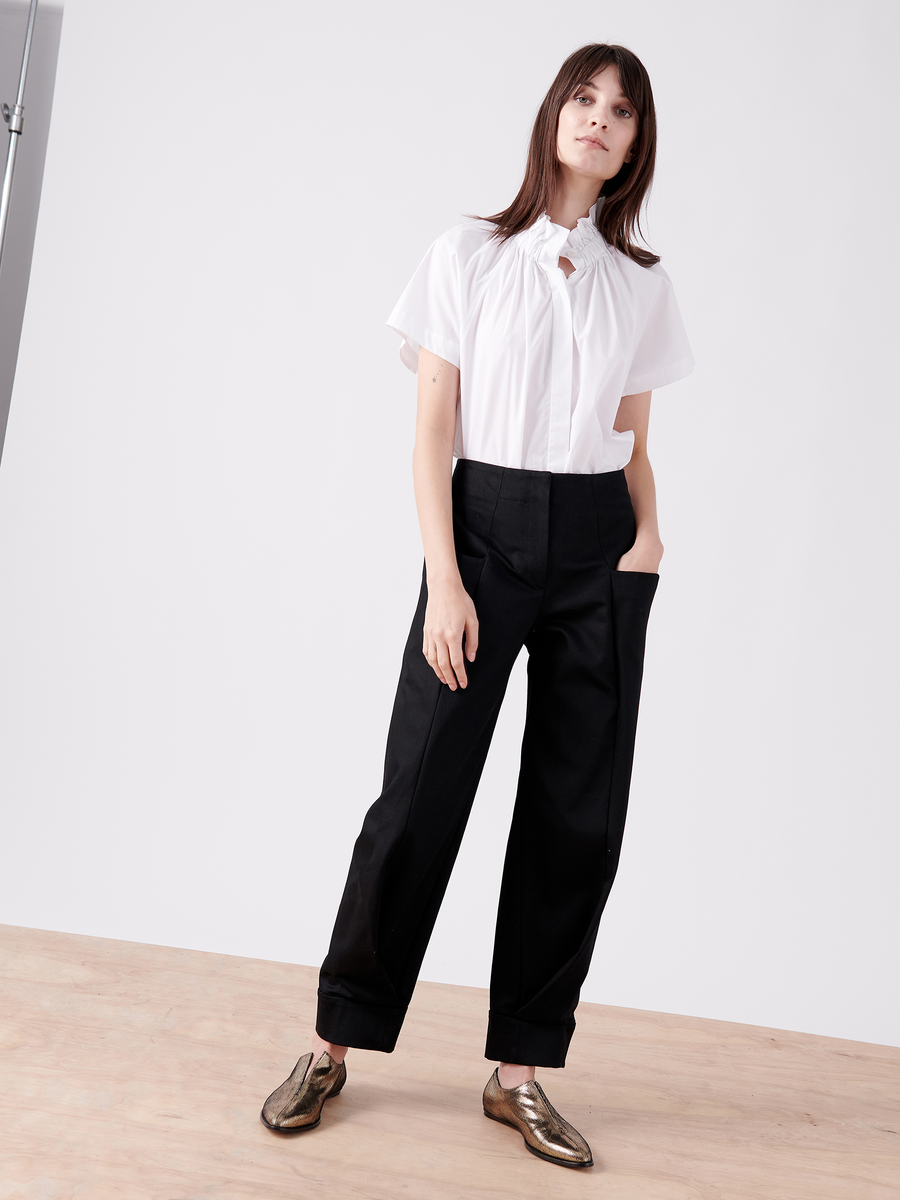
(645, 554)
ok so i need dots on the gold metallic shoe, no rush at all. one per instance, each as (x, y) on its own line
(297, 1104)
(546, 1134)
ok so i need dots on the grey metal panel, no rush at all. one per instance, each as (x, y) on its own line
(26, 195)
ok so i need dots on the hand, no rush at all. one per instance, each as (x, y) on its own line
(644, 555)
(449, 614)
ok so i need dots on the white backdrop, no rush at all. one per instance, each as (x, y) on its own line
(208, 539)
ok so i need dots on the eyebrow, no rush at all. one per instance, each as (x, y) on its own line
(587, 83)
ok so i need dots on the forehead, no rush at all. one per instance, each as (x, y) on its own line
(606, 80)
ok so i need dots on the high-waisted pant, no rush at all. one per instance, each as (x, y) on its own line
(537, 552)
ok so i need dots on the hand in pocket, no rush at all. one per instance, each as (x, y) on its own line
(642, 557)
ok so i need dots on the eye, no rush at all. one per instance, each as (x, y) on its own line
(626, 111)
(586, 99)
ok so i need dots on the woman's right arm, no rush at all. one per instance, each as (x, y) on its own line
(450, 611)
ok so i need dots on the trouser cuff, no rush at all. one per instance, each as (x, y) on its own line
(530, 1043)
(346, 1023)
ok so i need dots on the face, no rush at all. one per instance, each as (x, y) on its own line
(597, 126)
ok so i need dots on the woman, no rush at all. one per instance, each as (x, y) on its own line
(538, 335)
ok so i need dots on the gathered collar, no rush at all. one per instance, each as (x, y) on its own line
(547, 242)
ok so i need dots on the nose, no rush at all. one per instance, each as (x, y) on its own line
(601, 121)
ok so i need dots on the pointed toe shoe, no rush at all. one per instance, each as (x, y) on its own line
(545, 1132)
(297, 1104)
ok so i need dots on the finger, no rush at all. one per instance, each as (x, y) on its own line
(471, 638)
(448, 677)
(458, 663)
(444, 662)
(431, 658)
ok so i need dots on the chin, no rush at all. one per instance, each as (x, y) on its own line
(589, 170)
(592, 161)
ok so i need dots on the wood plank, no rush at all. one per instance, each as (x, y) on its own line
(139, 1071)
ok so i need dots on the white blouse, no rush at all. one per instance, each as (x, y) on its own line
(543, 360)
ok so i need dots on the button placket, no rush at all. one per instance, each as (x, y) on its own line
(561, 352)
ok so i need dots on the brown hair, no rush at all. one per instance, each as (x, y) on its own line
(619, 214)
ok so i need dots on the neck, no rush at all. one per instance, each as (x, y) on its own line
(573, 199)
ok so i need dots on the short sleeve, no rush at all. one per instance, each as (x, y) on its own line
(428, 312)
(663, 353)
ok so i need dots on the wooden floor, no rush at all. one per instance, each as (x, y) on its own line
(138, 1072)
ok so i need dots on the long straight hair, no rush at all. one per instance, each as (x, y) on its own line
(619, 214)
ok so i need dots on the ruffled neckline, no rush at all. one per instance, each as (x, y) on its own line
(548, 242)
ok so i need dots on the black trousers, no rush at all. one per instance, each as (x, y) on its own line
(537, 551)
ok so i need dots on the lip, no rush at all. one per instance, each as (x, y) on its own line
(593, 141)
